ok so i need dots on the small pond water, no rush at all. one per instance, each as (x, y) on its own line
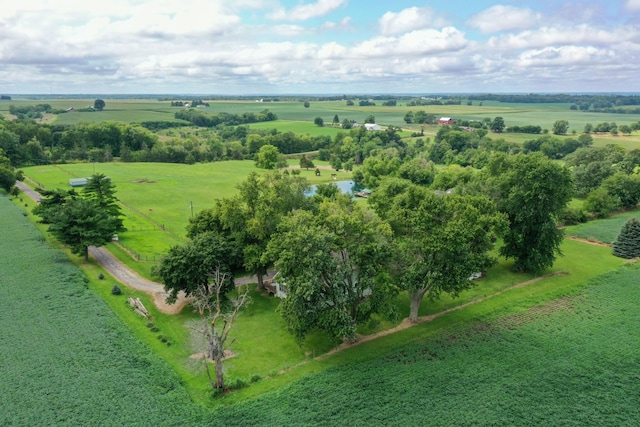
(347, 187)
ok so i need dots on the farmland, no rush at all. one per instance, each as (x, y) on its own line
(548, 353)
(516, 348)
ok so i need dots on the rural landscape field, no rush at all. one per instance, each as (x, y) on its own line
(549, 345)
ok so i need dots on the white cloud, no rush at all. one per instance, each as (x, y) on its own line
(633, 5)
(420, 42)
(304, 12)
(564, 56)
(413, 18)
(502, 18)
(553, 36)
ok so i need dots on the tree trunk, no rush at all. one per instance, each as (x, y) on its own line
(86, 253)
(415, 299)
(219, 373)
(259, 275)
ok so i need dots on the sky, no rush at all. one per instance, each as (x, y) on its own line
(269, 47)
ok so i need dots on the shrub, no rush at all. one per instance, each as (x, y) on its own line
(237, 384)
(573, 216)
(116, 290)
(255, 378)
(101, 276)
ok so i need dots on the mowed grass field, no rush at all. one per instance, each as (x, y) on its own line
(158, 197)
(558, 351)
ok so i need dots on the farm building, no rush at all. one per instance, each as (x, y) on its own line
(445, 121)
(372, 126)
(78, 182)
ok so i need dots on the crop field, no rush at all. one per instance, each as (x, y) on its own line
(65, 358)
(514, 114)
(603, 230)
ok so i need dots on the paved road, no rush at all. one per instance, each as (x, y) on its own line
(128, 277)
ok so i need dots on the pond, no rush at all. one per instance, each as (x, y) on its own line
(347, 187)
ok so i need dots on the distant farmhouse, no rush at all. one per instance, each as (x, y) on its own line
(372, 126)
(445, 121)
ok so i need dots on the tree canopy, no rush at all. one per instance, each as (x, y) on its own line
(81, 223)
(533, 191)
(99, 104)
(267, 157)
(332, 264)
(189, 267)
(441, 240)
(251, 217)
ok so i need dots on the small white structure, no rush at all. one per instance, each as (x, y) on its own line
(276, 289)
(78, 182)
(372, 126)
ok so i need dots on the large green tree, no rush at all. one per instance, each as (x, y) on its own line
(8, 176)
(100, 189)
(190, 267)
(497, 125)
(251, 217)
(267, 157)
(333, 264)
(81, 223)
(440, 240)
(533, 191)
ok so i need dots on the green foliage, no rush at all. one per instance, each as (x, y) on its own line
(532, 191)
(627, 245)
(440, 240)
(600, 203)
(267, 157)
(101, 190)
(543, 366)
(626, 188)
(7, 178)
(590, 166)
(497, 125)
(306, 163)
(603, 230)
(81, 223)
(115, 290)
(189, 267)
(332, 263)
(318, 121)
(560, 127)
(99, 104)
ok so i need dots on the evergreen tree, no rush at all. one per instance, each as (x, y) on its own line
(627, 245)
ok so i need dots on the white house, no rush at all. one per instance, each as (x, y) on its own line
(372, 126)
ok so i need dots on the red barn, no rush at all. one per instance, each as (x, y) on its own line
(445, 121)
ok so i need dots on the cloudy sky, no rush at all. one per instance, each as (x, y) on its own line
(318, 46)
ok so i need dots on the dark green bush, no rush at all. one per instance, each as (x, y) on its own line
(116, 290)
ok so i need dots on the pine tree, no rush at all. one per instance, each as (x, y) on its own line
(628, 243)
